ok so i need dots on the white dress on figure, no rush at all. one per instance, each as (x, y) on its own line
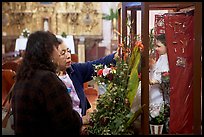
(155, 94)
(162, 65)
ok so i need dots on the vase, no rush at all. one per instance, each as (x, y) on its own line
(156, 129)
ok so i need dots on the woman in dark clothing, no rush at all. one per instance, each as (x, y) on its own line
(40, 102)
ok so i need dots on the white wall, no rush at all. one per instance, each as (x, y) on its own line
(105, 8)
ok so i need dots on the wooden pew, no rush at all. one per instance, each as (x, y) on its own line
(13, 65)
(7, 81)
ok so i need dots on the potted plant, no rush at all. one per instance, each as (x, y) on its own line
(158, 117)
(165, 87)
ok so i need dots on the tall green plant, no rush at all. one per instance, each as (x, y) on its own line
(113, 114)
(151, 41)
(110, 16)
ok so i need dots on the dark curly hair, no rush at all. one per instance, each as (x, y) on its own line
(39, 48)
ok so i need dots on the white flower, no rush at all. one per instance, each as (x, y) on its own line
(155, 113)
(106, 71)
(25, 32)
(155, 110)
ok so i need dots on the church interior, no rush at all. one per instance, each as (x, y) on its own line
(96, 29)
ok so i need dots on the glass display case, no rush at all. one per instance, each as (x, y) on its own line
(129, 10)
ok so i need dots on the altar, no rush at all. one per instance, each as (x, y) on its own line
(21, 43)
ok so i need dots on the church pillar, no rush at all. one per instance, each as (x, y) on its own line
(81, 50)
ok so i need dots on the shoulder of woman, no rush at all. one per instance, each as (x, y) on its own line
(45, 75)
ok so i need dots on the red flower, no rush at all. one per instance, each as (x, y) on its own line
(139, 45)
(110, 76)
(100, 72)
(139, 75)
(165, 74)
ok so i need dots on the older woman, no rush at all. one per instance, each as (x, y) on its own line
(76, 74)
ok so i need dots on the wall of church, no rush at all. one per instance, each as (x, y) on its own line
(73, 18)
(83, 20)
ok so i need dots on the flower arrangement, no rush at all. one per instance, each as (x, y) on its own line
(25, 33)
(165, 82)
(159, 115)
(158, 118)
(165, 87)
(104, 74)
(156, 114)
(113, 115)
(165, 76)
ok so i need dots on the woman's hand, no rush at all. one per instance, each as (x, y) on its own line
(116, 56)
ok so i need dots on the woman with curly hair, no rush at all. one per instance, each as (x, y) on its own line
(40, 102)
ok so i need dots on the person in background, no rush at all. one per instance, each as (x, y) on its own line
(161, 65)
(157, 95)
(40, 103)
(155, 70)
(79, 73)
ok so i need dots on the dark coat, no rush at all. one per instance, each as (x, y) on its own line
(42, 106)
(83, 72)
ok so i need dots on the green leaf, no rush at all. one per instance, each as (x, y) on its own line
(111, 16)
(133, 80)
